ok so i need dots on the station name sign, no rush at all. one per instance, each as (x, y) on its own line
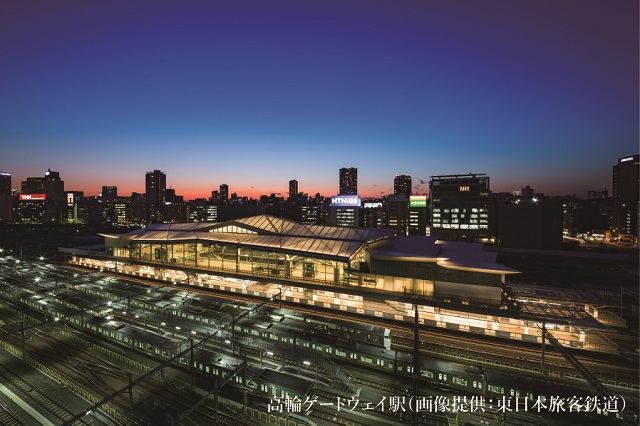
(418, 201)
(345, 201)
(33, 197)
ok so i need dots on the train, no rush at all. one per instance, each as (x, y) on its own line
(307, 335)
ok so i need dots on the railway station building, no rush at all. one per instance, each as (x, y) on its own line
(280, 249)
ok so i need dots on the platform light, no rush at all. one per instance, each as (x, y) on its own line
(227, 341)
(306, 362)
(177, 327)
(269, 353)
(162, 324)
(193, 332)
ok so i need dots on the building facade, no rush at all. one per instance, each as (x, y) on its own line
(6, 200)
(155, 186)
(460, 207)
(402, 185)
(349, 181)
(626, 189)
(293, 189)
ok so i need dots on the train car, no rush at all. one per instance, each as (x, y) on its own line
(359, 332)
(278, 384)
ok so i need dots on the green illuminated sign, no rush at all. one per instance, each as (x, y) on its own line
(418, 201)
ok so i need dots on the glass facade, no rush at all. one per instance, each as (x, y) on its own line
(235, 258)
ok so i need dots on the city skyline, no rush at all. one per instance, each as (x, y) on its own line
(254, 95)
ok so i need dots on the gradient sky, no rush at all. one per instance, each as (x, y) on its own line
(255, 93)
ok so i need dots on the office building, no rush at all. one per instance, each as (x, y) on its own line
(224, 193)
(460, 207)
(372, 215)
(530, 223)
(397, 213)
(45, 193)
(155, 186)
(344, 210)
(349, 181)
(402, 185)
(418, 214)
(109, 193)
(626, 189)
(293, 189)
(5, 197)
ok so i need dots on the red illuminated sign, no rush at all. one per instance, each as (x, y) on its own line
(33, 197)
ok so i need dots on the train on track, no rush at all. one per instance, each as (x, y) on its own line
(344, 342)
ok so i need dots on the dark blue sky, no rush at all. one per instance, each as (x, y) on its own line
(254, 93)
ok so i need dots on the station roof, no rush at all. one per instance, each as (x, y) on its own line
(264, 232)
(447, 254)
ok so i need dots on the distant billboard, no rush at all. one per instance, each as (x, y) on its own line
(345, 201)
(418, 201)
(372, 205)
(33, 197)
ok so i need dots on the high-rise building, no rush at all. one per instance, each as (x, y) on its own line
(5, 183)
(460, 207)
(224, 192)
(293, 188)
(344, 210)
(109, 192)
(349, 181)
(397, 213)
(626, 187)
(46, 193)
(417, 215)
(156, 184)
(51, 185)
(5, 197)
(402, 185)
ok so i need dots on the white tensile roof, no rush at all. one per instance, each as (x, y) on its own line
(264, 231)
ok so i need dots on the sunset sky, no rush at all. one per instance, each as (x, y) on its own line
(255, 93)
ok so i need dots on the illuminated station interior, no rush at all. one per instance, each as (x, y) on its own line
(454, 285)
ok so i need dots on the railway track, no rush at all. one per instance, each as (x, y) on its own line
(10, 418)
(38, 399)
(513, 352)
(424, 334)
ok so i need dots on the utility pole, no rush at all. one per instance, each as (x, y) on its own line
(543, 339)
(416, 364)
